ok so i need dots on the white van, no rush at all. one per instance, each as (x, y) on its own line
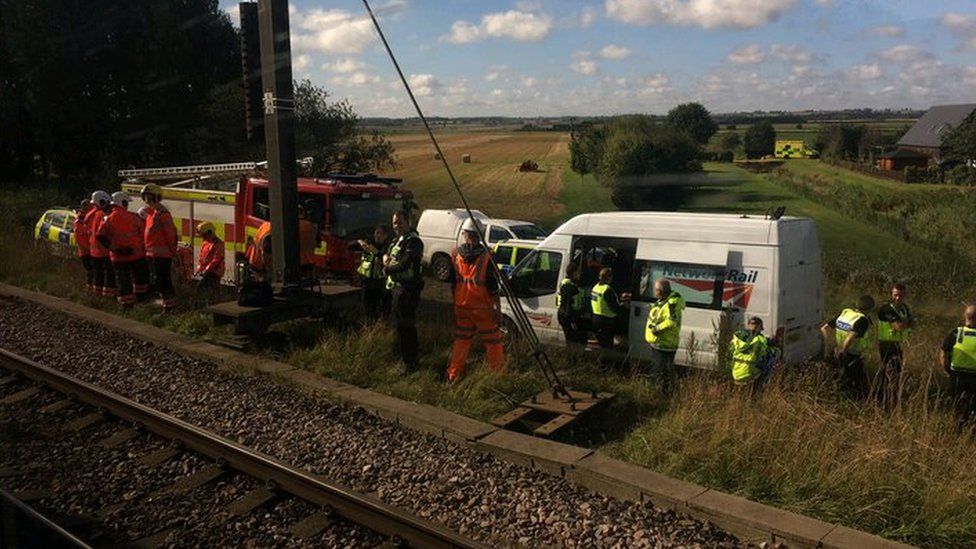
(441, 229)
(746, 265)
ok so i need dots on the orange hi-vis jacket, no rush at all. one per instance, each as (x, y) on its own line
(211, 257)
(123, 230)
(470, 282)
(307, 238)
(160, 236)
(93, 222)
(82, 238)
(255, 252)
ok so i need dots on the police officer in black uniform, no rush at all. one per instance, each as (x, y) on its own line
(404, 280)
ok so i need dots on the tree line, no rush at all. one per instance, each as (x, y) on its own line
(89, 87)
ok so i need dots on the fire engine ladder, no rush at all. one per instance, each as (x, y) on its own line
(549, 411)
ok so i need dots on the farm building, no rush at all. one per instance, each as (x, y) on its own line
(899, 159)
(925, 137)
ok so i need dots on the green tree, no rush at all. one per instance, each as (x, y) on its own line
(694, 120)
(844, 141)
(586, 149)
(959, 145)
(759, 139)
(731, 141)
(329, 133)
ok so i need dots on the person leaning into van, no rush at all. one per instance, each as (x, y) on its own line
(750, 353)
(376, 298)
(663, 331)
(852, 339)
(570, 302)
(605, 306)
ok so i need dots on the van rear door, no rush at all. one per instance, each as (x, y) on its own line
(697, 271)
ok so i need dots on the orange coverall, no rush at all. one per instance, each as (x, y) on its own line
(474, 313)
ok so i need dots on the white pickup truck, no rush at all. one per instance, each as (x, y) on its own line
(441, 229)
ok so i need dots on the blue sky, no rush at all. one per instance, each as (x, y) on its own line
(575, 57)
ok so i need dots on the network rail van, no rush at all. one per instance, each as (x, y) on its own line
(739, 265)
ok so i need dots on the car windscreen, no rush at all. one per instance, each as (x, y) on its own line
(355, 218)
(528, 232)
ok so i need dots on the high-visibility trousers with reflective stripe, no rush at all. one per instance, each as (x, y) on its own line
(469, 322)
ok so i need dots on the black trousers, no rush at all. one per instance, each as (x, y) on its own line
(104, 275)
(376, 298)
(889, 376)
(86, 262)
(605, 328)
(964, 390)
(405, 302)
(161, 270)
(132, 278)
(574, 330)
(853, 377)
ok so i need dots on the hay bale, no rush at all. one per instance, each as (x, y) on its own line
(466, 158)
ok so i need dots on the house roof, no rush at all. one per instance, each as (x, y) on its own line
(929, 130)
(902, 153)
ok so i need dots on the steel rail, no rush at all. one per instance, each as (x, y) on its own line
(363, 509)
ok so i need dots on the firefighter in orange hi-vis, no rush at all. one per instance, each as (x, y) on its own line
(476, 304)
(83, 241)
(103, 277)
(161, 244)
(210, 266)
(122, 234)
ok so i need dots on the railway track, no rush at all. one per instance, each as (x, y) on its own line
(268, 477)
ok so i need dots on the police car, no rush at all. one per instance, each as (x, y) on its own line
(56, 229)
(508, 253)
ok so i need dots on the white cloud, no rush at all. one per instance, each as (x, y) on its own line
(299, 62)
(889, 31)
(903, 53)
(355, 79)
(588, 16)
(612, 51)
(708, 14)
(867, 71)
(964, 27)
(791, 53)
(529, 82)
(657, 83)
(749, 54)
(424, 84)
(331, 31)
(524, 26)
(346, 65)
(584, 66)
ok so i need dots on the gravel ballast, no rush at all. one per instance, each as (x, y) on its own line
(475, 494)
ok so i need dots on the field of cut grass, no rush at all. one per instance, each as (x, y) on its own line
(491, 181)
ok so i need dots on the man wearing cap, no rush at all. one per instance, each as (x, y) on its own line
(210, 266)
(476, 303)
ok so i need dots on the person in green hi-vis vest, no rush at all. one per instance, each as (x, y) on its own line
(852, 338)
(894, 326)
(958, 359)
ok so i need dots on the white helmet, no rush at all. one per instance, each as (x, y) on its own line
(144, 212)
(100, 199)
(120, 198)
(471, 226)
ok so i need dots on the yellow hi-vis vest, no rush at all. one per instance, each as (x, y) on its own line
(886, 332)
(576, 304)
(396, 252)
(964, 351)
(845, 326)
(371, 265)
(663, 331)
(747, 351)
(599, 303)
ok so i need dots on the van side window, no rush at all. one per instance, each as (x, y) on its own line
(57, 219)
(537, 274)
(503, 255)
(700, 285)
(497, 234)
(261, 204)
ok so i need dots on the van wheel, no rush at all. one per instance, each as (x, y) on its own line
(441, 267)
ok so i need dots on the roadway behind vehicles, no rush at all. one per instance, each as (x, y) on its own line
(344, 208)
(749, 265)
(440, 231)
